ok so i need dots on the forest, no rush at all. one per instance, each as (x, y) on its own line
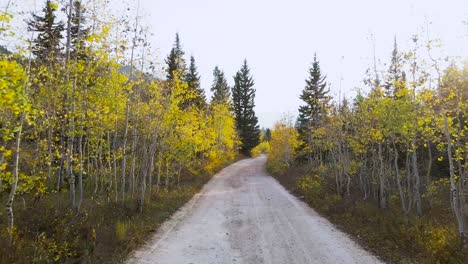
(95, 150)
(390, 165)
(98, 147)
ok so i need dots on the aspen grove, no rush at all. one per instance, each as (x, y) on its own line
(389, 165)
(84, 122)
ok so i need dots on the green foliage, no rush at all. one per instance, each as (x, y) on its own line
(315, 97)
(243, 101)
(220, 88)
(49, 32)
(197, 94)
(175, 60)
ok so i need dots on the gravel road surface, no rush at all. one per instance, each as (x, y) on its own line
(245, 216)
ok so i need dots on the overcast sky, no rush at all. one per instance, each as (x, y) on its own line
(279, 39)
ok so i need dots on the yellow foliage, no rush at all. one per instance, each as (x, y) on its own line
(120, 231)
(283, 144)
(262, 148)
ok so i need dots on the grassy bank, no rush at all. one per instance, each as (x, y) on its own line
(389, 234)
(102, 232)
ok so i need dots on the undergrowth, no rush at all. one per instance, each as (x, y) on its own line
(390, 234)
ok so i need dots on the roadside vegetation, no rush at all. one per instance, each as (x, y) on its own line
(389, 166)
(97, 147)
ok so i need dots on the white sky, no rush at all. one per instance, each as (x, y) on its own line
(279, 38)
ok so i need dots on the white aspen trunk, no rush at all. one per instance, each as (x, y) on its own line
(417, 180)
(408, 181)
(102, 168)
(50, 155)
(70, 136)
(429, 165)
(127, 107)
(167, 174)
(114, 161)
(397, 174)
(14, 185)
(178, 175)
(96, 173)
(80, 173)
(151, 165)
(158, 181)
(133, 164)
(109, 163)
(124, 147)
(455, 191)
(382, 201)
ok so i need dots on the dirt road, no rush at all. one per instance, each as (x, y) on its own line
(245, 216)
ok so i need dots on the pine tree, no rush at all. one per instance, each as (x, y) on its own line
(175, 60)
(220, 87)
(46, 46)
(395, 72)
(79, 31)
(267, 134)
(243, 96)
(315, 97)
(196, 94)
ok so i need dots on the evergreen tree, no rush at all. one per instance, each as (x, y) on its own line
(79, 31)
(395, 72)
(196, 94)
(175, 60)
(46, 46)
(267, 135)
(315, 97)
(243, 96)
(220, 87)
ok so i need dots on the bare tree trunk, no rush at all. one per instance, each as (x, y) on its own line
(429, 165)
(50, 154)
(417, 179)
(109, 163)
(382, 201)
(408, 181)
(114, 161)
(132, 168)
(127, 106)
(124, 147)
(178, 175)
(102, 169)
(455, 191)
(80, 173)
(151, 165)
(397, 174)
(167, 173)
(158, 181)
(14, 185)
(96, 175)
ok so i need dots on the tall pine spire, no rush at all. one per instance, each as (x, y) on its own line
(46, 46)
(395, 73)
(315, 96)
(243, 100)
(220, 87)
(175, 60)
(79, 31)
(196, 95)
(316, 99)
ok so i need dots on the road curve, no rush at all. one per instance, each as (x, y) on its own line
(245, 216)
